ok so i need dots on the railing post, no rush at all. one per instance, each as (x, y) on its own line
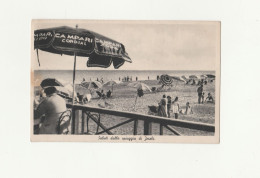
(78, 115)
(73, 121)
(135, 126)
(147, 128)
(161, 129)
(83, 122)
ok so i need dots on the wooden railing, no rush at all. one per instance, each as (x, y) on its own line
(85, 113)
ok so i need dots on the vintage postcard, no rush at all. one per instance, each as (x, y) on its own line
(125, 81)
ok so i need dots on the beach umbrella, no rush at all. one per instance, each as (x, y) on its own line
(112, 83)
(193, 77)
(102, 51)
(211, 76)
(91, 85)
(64, 90)
(178, 78)
(166, 80)
(203, 77)
(140, 85)
(50, 82)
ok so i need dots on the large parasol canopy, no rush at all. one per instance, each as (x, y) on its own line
(101, 50)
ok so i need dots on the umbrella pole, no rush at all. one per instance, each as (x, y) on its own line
(135, 101)
(74, 73)
(73, 98)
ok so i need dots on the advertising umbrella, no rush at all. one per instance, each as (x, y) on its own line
(166, 80)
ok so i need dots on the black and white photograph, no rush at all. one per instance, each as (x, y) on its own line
(130, 89)
(133, 78)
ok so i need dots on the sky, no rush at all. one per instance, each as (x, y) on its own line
(152, 45)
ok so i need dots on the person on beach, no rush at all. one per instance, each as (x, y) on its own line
(169, 105)
(175, 107)
(162, 110)
(202, 97)
(209, 98)
(52, 107)
(200, 91)
(188, 109)
(136, 78)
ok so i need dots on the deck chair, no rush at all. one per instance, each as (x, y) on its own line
(109, 94)
(101, 95)
(64, 122)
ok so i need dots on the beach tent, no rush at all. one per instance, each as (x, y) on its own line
(100, 50)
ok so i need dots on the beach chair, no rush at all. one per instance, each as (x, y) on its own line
(101, 95)
(154, 89)
(64, 122)
(153, 110)
(109, 94)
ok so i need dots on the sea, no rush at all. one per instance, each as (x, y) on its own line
(106, 75)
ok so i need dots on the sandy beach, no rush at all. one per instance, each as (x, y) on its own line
(123, 99)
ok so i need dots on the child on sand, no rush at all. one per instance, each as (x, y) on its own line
(202, 97)
(209, 98)
(175, 107)
(188, 109)
(169, 105)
